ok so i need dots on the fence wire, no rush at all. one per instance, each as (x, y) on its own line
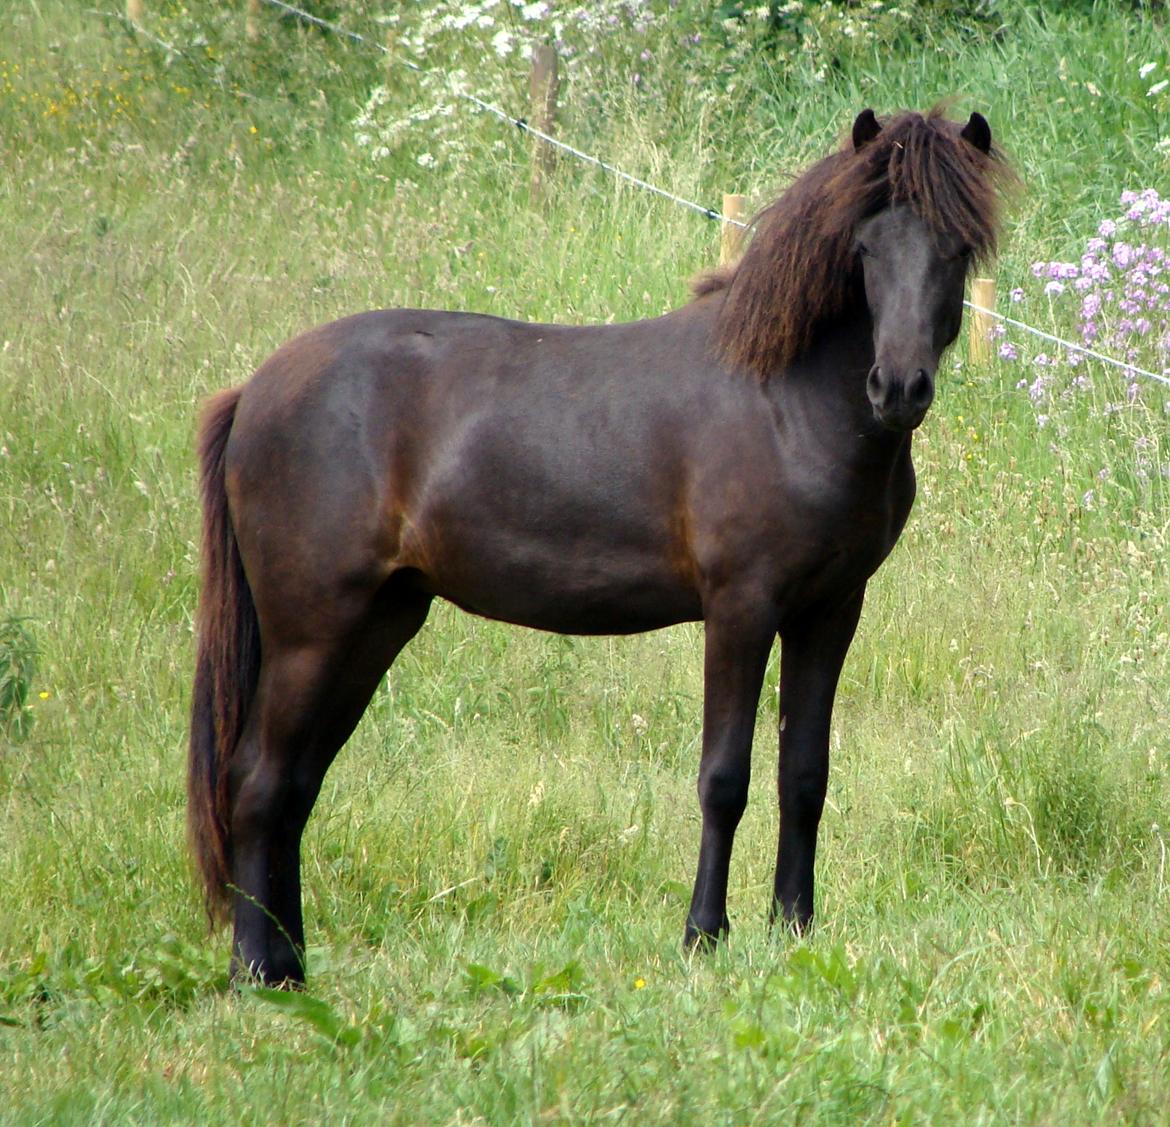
(503, 115)
(644, 185)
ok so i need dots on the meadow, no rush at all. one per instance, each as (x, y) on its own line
(498, 868)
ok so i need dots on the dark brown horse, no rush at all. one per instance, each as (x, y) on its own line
(744, 460)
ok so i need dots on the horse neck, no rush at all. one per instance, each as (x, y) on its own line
(822, 394)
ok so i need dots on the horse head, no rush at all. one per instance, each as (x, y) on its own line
(914, 269)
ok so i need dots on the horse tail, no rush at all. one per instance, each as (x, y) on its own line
(227, 665)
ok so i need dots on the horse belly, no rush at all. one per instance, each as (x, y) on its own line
(565, 585)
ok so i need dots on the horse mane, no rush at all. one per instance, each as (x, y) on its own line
(801, 268)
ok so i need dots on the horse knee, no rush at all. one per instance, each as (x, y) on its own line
(723, 794)
(802, 797)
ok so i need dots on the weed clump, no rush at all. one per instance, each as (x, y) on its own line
(18, 666)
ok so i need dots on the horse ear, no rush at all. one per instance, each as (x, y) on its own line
(865, 128)
(977, 132)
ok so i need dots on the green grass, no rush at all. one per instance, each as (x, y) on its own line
(499, 865)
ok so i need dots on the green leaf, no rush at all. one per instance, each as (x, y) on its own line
(313, 1011)
(480, 978)
(748, 1035)
(1106, 1079)
(569, 979)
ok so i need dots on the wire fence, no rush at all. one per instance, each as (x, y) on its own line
(1070, 345)
(644, 185)
(520, 123)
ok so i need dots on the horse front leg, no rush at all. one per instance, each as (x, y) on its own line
(812, 651)
(739, 634)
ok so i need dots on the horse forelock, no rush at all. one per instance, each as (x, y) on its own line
(800, 269)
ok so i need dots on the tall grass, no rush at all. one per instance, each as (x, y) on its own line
(499, 864)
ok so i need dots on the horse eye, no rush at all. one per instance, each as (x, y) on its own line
(965, 251)
(863, 250)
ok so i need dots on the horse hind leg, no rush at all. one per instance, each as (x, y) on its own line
(309, 699)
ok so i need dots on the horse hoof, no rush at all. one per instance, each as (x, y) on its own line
(699, 938)
(797, 925)
(240, 977)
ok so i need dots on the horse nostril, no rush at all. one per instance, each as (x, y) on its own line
(873, 385)
(921, 389)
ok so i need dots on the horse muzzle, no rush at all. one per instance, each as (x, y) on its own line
(900, 399)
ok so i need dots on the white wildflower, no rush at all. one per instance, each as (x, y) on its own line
(1146, 69)
(502, 43)
(1157, 88)
(460, 20)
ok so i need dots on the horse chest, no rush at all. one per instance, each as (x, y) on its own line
(841, 524)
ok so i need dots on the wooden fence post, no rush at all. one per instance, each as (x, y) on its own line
(135, 10)
(543, 84)
(731, 233)
(252, 21)
(979, 336)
